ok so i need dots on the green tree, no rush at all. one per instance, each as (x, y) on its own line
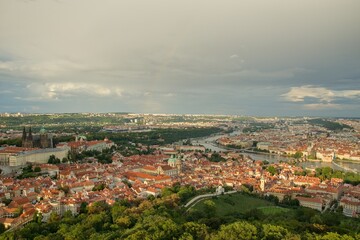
(139, 234)
(52, 159)
(195, 230)
(155, 227)
(297, 155)
(98, 207)
(215, 157)
(123, 222)
(19, 211)
(6, 201)
(335, 236)
(37, 169)
(99, 187)
(237, 231)
(54, 217)
(272, 232)
(331, 219)
(97, 221)
(186, 236)
(166, 192)
(83, 207)
(186, 192)
(117, 210)
(38, 217)
(68, 214)
(289, 201)
(2, 228)
(30, 231)
(272, 170)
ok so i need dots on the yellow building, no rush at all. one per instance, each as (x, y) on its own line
(35, 156)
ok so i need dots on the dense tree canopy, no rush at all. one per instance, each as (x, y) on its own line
(165, 218)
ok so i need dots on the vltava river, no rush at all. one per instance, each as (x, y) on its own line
(209, 143)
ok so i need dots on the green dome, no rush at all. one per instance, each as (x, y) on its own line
(42, 130)
(82, 137)
(172, 159)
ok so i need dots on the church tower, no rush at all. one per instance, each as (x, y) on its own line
(172, 161)
(262, 184)
(23, 139)
(179, 165)
(44, 141)
(30, 139)
(27, 139)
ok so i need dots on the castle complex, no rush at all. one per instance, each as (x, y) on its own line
(41, 140)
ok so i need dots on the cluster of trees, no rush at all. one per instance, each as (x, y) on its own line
(63, 119)
(328, 173)
(297, 155)
(129, 143)
(30, 172)
(334, 126)
(53, 160)
(103, 157)
(257, 126)
(155, 137)
(11, 142)
(272, 170)
(261, 150)
(215, 157)
(130, 149)
(99, 187)
(234, 146)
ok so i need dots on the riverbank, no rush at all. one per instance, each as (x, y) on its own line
(347, 160)
(344, 167)
(209, 142)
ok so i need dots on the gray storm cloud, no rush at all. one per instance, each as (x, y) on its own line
(235, 57)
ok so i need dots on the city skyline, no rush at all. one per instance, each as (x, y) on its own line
(233, 57)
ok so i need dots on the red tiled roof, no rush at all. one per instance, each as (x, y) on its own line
(16, 149)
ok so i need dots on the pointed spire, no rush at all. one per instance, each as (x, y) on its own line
(30, 137)
(24, 134)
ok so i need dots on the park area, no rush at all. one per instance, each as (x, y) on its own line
(239, 203)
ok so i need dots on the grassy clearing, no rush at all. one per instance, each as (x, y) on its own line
(273, 210)
(239, 203)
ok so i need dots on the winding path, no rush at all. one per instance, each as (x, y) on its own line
(197, 199)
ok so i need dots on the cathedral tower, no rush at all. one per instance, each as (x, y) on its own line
(44, 140)
(27, 139)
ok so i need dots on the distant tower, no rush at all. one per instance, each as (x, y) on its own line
(262, 183)
(27, 140)
(178, 165)
(30, 137)
(23, 139)
(44, 140)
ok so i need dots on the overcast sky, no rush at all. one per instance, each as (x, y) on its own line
(266, 58)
